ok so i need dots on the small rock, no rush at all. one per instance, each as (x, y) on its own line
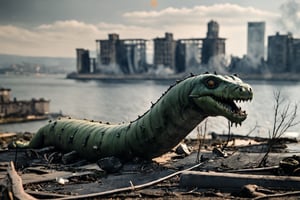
(218, 152)
(61, 180)
(183, 149)
(250, 191)
(290, 165)
(110, 164)
(70, 157)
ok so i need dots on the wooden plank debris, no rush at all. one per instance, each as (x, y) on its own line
(231, 182)
(7, 135)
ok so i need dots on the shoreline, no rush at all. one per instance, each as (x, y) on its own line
(174, 77)
(123, 77)
(29, 118)
(11, 120)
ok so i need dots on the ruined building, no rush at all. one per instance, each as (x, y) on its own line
(256, 41)
(128, 55)
(14, 108)
(212, 45)
(296, 55)
(283, 53)
(83, 61)
(106, 50)
(164, 51)
(188, 53)
(254, 61)
(131, 55)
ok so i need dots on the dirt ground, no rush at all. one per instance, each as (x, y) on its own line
(217, 171)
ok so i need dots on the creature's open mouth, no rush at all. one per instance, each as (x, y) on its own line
(223, 106)
(229, 105)
(230, 109)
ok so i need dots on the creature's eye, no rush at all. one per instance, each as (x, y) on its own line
(211, 83)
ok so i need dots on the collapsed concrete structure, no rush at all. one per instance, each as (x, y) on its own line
(24, 108)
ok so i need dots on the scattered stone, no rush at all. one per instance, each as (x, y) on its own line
(183, 149)
(44, 174)
(110, 164)
(290, 166)
(61, 180)
(70, 157)
(250, 191)
(218, 152)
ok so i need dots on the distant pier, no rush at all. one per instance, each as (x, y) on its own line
(118, 77)
(174, 77)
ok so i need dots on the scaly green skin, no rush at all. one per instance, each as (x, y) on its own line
(162, 127)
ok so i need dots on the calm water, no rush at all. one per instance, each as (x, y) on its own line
(124, 101)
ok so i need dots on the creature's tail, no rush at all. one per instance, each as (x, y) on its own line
(19, 145)
(36, 142)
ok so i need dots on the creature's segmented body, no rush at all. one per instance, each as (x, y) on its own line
(162, 127)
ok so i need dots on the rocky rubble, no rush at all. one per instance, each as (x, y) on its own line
(182, 173)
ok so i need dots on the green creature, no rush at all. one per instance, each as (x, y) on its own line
(179, 110)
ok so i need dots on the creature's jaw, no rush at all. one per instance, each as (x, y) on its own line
(227, 107)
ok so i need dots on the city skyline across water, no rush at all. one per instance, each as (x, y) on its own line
(131, 56)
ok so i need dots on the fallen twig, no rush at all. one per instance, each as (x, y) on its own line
(44, 195)
(261, 170)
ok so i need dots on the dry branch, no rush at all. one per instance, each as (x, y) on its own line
(15, 186)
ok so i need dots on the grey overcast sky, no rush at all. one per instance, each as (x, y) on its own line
(57, 27)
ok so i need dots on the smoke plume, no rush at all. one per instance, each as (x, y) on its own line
(290, 16)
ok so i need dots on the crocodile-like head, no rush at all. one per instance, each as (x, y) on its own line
(216, 95)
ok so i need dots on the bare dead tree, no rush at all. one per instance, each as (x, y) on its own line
(201, 133)
(228, 137)
(284, 118)
(252, 130)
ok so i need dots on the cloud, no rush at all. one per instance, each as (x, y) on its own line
(127, 31)
(61, 38)
(16, 40)
(192, 22)
(57, 39)
(68, 26)
(227, 14)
